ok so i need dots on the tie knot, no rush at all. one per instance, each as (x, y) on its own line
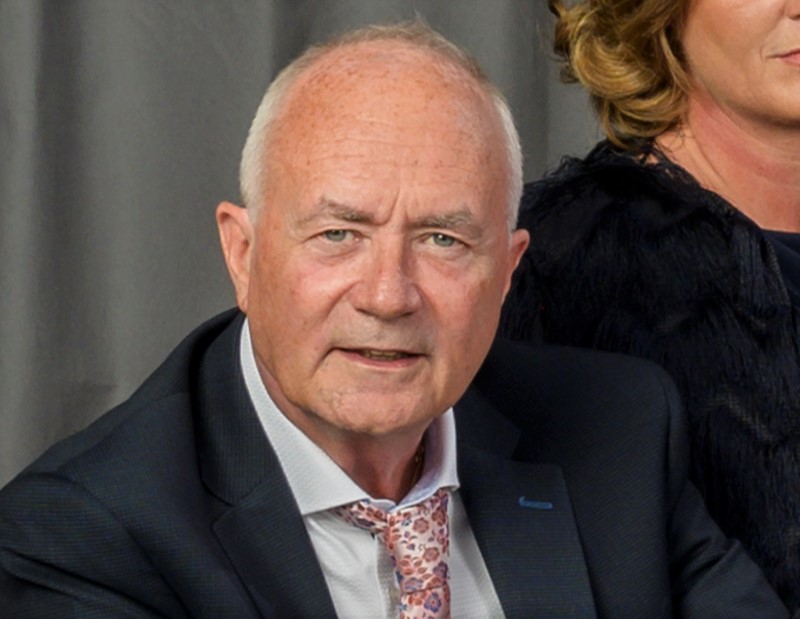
(418, 541)
(417, 520)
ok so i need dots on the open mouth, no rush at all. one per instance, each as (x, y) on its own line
(384, 355)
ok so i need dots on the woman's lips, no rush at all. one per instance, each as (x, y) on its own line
(792, 57)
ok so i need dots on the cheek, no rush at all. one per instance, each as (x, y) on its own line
(466, 304)
(307, 298)
(277, 300)
(721, 43)
(315, 287)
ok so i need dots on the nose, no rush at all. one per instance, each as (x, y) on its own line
(793, 9)
(387, 288)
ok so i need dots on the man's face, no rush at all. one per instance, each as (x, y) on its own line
(381, 255)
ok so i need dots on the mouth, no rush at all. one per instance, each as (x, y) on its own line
(792, 55)
(384, 355)
(381, 356)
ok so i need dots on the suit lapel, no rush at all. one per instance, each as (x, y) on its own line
(521, 516)
(260, 528)
(266, 540)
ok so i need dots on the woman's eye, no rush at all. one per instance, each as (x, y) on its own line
(442, 240)
(336, 236)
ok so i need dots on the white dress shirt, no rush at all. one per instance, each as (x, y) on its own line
(356, 565)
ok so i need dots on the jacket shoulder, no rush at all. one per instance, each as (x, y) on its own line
(573, 405)
(106, 513)
(157, 412)
(514, 372)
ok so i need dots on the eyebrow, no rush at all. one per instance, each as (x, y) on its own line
(337, 210)
(459, 219)
(447, 221)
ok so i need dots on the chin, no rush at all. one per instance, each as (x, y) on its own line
(366, 418)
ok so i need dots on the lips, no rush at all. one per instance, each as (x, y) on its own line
(793, 57)
(381, 356)
(787, 54)
(384, 355)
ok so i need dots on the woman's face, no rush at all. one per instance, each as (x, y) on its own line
(744, 57)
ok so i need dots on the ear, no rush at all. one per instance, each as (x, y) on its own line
(519, 243)
(236, 236)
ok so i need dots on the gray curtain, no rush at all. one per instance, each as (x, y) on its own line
(121, 123)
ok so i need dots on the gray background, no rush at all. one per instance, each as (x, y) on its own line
(121, 123)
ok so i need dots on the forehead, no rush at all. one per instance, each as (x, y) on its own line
(407, 81)
(383, 108)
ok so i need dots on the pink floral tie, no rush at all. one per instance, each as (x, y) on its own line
(418, 541)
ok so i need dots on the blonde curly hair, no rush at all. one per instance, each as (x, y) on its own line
(628, 55)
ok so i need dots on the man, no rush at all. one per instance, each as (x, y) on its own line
(334, 452)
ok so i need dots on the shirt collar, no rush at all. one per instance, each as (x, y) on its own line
(316, 481)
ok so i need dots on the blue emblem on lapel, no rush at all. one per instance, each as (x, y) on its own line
(523, 502)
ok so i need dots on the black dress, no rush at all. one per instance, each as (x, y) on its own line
(787, 250)
(636, 257)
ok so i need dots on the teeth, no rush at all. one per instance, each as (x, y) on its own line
(383, 355)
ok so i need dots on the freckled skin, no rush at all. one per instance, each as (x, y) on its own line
(384, 228)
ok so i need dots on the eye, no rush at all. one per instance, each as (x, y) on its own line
(442, 240)
(335, 236)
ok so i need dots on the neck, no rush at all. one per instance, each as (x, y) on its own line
(385, 471)
(752, 163)
(384, 466)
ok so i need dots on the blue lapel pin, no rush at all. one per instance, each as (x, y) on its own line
(523, 502)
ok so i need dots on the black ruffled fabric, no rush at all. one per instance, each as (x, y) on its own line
(629, 254)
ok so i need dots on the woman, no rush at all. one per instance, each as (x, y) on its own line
(677, 239)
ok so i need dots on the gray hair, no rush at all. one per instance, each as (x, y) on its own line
(419, 35)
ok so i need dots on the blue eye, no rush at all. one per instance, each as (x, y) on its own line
(335, 236)
(443, 240)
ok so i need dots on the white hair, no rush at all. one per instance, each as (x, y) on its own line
(420, 36)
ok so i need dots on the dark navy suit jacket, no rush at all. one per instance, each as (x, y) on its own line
(573, 473)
